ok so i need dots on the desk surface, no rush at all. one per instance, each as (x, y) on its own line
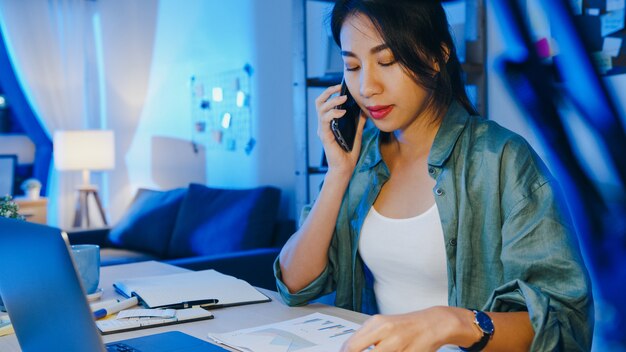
(226, 319)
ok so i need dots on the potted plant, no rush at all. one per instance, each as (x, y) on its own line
(31, 188)
(9, 209)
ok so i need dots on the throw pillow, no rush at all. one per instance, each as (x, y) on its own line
(148, 224)
(213, 220)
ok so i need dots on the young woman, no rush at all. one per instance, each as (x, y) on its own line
(446, 224)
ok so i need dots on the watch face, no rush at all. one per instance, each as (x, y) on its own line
(484, 322)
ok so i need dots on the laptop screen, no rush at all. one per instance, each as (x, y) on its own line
(41, 290)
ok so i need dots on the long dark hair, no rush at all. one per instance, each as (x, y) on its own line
(417, 33)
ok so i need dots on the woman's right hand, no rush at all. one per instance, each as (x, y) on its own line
(338, 159)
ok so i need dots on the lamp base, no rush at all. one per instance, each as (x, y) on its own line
(81, 214)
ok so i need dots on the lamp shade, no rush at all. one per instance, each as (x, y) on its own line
(84, 150)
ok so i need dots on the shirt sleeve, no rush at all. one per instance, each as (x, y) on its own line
(315, 289)
(544, 272)
(318, 287)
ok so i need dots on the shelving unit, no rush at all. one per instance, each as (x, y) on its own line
(309, 81)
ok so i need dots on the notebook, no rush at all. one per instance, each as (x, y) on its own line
(166, 291)
(46, 303)
(117, 325)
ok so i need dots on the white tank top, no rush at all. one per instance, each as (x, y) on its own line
(408, 260)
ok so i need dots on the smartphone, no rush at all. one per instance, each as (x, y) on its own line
(344, 128)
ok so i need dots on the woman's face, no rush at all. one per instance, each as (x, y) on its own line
(379, 84)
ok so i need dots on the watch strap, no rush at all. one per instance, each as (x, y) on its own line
(487, 332)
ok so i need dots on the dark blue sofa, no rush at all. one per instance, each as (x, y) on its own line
(234, 231)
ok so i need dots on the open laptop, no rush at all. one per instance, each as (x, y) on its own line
(46, 303)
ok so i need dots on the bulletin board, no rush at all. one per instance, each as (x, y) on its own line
(220, 110)
(602, 22)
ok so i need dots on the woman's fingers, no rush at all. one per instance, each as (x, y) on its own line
(326, 94)
(326, 105)
(331, 106)
(369, 334)
(327, 102)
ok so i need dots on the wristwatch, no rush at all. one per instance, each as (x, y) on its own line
(484, 323)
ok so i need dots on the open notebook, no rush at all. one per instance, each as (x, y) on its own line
(169, 290)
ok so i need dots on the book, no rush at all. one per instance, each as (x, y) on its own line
(171, 290)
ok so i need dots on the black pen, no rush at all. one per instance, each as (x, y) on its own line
(203, 303)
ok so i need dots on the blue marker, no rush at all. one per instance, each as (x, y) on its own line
(127, 303)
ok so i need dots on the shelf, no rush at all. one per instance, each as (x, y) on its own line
(324, 81)
(317, 169)
(34, 210)
(472, 68)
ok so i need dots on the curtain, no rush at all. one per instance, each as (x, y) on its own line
(47, 49)
(83, 65)
(128, 46)
(28, 120)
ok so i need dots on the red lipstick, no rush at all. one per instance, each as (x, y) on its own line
(379, 111)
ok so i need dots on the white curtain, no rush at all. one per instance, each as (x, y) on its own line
(61, 51)
(128, 40)
(46, 41)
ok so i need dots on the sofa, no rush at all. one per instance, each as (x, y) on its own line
(234, 231)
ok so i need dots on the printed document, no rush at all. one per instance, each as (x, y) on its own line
(314, 332)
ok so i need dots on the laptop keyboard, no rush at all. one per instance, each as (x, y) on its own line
(120, 347)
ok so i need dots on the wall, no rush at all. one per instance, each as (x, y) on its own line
(20, 145)
(274, 155)
(181, 39)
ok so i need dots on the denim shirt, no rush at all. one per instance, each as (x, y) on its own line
(510, 243)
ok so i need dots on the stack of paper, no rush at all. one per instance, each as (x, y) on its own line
(6, 328)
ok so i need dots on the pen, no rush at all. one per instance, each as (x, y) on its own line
(200, 303)
(127, 303)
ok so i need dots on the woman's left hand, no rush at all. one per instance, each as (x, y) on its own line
(425, 330)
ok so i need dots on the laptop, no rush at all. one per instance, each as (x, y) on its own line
(47, 304)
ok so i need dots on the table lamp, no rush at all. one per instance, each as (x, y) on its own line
(86, 150)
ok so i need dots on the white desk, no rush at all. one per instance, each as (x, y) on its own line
(226, 319)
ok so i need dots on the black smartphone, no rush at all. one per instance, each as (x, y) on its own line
(344, 128)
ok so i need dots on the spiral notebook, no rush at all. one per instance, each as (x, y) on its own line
(165, 291)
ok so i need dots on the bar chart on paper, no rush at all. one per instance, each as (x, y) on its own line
(314, 332)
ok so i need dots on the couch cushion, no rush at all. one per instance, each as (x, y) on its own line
(214, 220)
(149, 221)
(115, 256)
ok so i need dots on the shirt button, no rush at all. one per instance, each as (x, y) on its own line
(431, 170)
(452, 242)
(439, 191)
